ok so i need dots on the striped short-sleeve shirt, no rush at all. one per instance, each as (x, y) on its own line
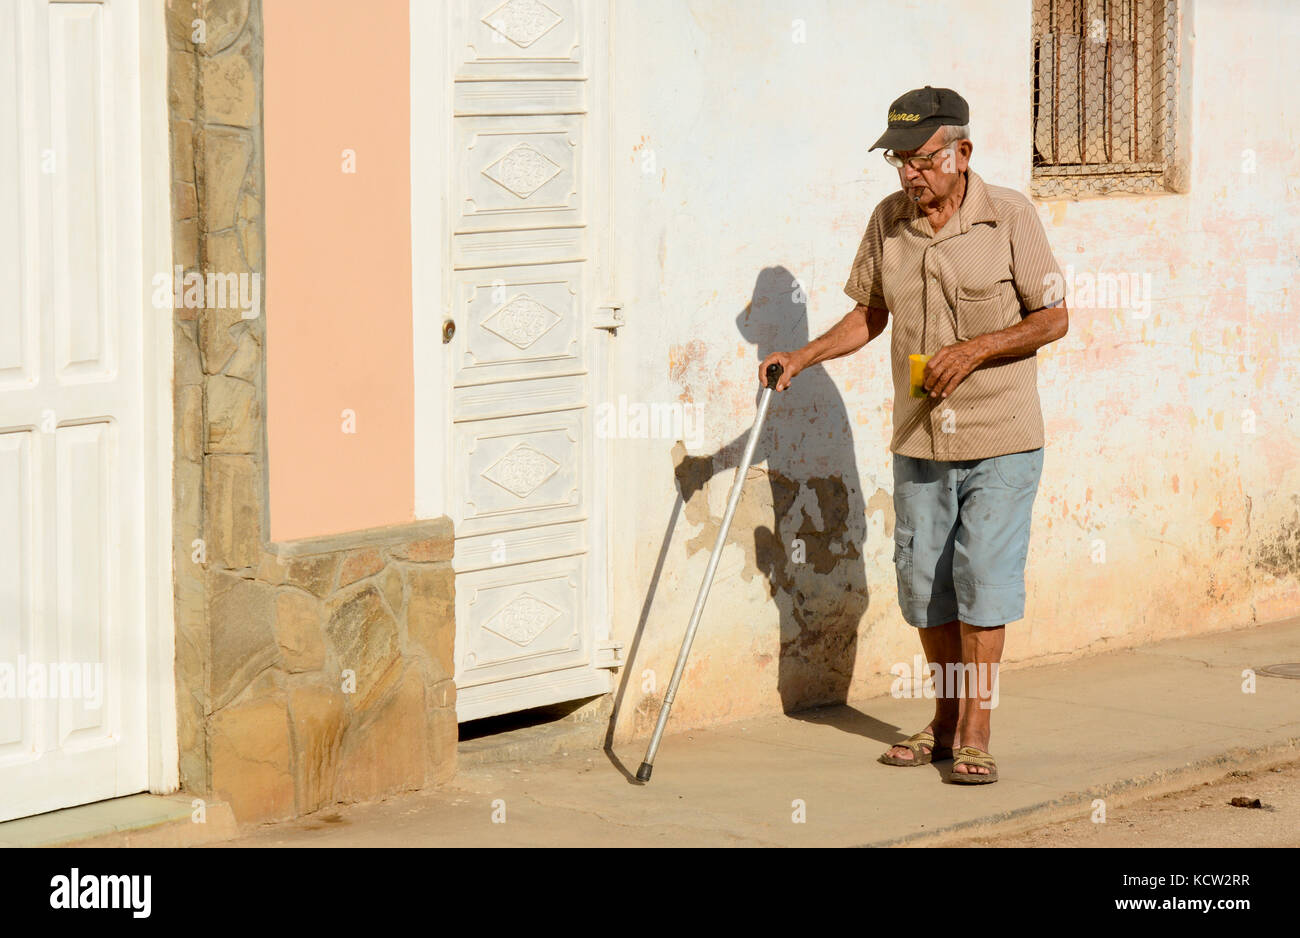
(989, 266)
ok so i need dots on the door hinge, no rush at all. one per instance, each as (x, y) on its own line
(609, 654)
(609, 316)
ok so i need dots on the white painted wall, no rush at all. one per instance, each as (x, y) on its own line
(759, 161)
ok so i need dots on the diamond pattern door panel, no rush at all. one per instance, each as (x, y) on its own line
(520, 621)
(539, 38)
(519, 171)
(522, 322)
(519, 471)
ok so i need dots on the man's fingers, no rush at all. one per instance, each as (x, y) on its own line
(935, 369)
(937, 378)
(951, 381)
(945, 371)
(783, 382)
(944, 380)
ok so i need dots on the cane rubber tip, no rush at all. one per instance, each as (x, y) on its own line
(643, 773)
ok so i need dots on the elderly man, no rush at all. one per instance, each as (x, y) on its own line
(966, 271)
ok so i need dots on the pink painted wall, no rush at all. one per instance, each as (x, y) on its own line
(338, 266)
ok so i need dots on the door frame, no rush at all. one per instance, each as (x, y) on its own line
(431, 124)
(159, 403)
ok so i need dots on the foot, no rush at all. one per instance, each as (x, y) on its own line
(943, 738)
(979, 741)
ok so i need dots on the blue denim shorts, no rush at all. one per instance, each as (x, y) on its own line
(961, 536)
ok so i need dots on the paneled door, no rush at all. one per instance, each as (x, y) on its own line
(73, 707)
(527, 299)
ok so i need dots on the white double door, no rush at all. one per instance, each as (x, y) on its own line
(73, 303)
(526, 288)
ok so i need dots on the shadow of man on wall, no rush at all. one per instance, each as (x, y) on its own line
(812, 555)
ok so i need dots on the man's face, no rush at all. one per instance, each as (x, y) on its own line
(931, 187)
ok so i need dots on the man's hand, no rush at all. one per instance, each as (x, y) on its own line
(858, 327)
(949, 367)
(791, 365)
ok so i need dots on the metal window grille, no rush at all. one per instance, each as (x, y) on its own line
(1104, 88)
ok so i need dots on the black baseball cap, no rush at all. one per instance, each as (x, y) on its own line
(915, 117)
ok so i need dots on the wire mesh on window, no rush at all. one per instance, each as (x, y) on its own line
(1103, 89)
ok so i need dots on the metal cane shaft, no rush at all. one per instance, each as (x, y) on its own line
(736, 488)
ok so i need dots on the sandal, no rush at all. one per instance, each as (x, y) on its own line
(969, 755)
(914, 743)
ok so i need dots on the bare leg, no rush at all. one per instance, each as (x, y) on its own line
(941, 644)
(983, 648)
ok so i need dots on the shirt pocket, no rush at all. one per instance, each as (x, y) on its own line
(983, 310)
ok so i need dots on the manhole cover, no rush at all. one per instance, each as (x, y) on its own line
(1282, 670)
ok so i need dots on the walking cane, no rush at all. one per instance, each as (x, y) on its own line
(773, 376)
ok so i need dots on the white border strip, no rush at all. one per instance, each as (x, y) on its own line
(431, 91)
(155, 255)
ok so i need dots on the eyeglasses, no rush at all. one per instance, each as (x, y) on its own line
(920, 161)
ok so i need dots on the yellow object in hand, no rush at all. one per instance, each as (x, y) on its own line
(917, 363)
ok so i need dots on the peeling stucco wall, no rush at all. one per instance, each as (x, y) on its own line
(742, 184)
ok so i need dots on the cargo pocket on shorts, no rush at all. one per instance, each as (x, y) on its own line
(903, 561)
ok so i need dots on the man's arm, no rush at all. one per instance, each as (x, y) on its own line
(950, 366)
(860, 326)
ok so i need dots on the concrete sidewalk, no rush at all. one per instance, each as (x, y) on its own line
(1119, 723)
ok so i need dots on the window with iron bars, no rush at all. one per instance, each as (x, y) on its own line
(1104, 96)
